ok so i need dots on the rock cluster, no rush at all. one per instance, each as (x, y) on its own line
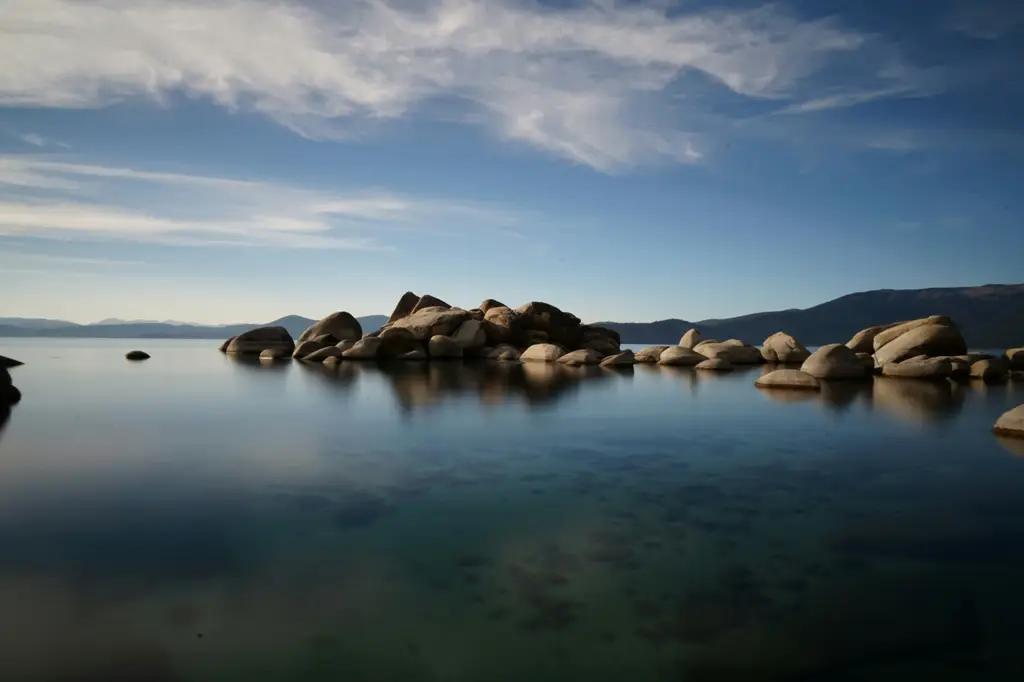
(425, 327)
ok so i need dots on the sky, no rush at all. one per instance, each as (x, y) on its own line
(220, 161)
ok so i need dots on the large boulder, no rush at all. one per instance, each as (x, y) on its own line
(364, 349)
(651, 354)
(919, 368)
(404, 307)
(924, 339)
(345, 345)
(7, 363)
(490, 303)
(470, 335)
(605, 341)
(257, 340)
(340, 325)
(1014, 358)
(864, 340)
(834, 361)
(562, 328)
(626, 357)
(691, 339)
(503, 325)
(894, 332)
(434, 321)
(583, 356)
(1011, 423)
(542, 352)
(304, 348)
(733, 350)
(224, 346)
(441, 346)
(428, 301)
(995, 370)
(788, 378)
(324, 353)
(680, 356)
(719, 364)
(782, 348)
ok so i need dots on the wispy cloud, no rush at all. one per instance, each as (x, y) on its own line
(57, 199)
(604, 84)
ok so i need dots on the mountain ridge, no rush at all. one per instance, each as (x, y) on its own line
(990, 316)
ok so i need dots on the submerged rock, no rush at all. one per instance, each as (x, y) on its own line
(542, 352)
(788, 378)
(626, 357)
(834, 361)
(919, 368)
(782, 348)
(718, 363)
(680, 356)
(1011, 423)
(257, 340)
(584, 356)
(651, 354)
(136, 355)
(995, 370)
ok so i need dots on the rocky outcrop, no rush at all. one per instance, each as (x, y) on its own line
(834, 361)
(864, 340)
(625, 358)
(542, 352)
(919, 368)
(788, 378)
(7, 363)
(691, 339)
(255, 341)
(1014, 358)
(340, 325)
(489, 303)
(718, 363)
(434, 321)
(443, 347)
(895, 331)
(396, 342)
(782, 348)
(364, 349)
(561, 327)
(1011, 423)
(920, 337)
(733, 350)
(345, 345)
(651, 354)
(136, 355)
(605, 341)
(995, 370)
(9, 393)
(584, 356)
(428, 301)
(224, 346)
(677, 356)
(404, 307)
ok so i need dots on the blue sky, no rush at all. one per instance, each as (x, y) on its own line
(222, 161)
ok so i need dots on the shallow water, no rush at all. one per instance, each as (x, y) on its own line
(193, 517)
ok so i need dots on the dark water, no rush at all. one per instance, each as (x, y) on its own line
(198, 518)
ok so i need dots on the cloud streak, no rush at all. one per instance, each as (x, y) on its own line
(44, 198)
(602, 84)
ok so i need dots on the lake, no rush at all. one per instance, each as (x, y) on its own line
(195, 517)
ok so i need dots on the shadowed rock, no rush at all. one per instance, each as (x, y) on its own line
(651, 354)
(7, 363)
(340, 325)
(834, 361)
(364, 349)
(788, 378)
(783, 348)
(680, 356)
(404, 307)
(1011, 423)
(995, 370)
(255, 341)
(136, 355)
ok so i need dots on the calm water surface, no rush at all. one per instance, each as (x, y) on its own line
(194, 517)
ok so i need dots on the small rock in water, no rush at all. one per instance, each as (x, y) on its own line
(136, 355)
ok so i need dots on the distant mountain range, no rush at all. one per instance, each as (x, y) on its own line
(990, 316)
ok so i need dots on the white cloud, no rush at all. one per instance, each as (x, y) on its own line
(597, 84)
(55, 199)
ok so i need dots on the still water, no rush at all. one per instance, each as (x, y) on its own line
(193, 517)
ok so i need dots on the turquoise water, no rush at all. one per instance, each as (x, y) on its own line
(193, 517)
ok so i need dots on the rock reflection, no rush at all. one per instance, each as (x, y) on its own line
(917, 401)
(252, 363)
(423, 385)
(1015, 446)
(840, 395)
